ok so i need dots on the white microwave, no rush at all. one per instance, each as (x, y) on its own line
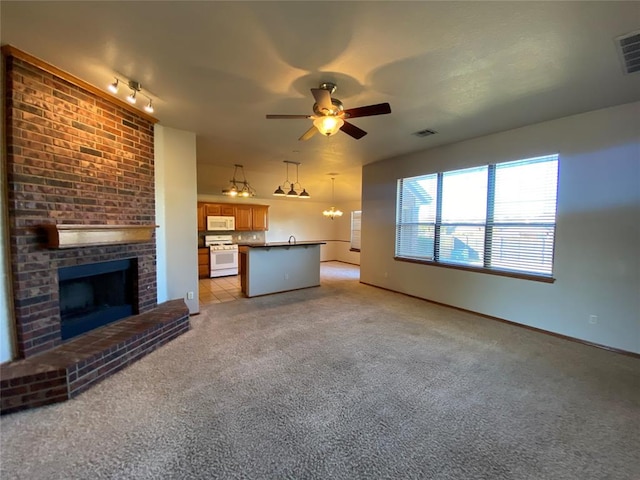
(221, 223)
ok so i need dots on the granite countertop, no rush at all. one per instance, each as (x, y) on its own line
(279, 244)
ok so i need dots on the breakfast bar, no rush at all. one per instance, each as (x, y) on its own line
(279, 267)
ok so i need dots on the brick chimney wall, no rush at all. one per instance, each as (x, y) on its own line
(73, 157)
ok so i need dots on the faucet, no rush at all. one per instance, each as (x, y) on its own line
(294, 239)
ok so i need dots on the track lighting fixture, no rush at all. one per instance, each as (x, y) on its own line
(333, 211)
(291, 185)
(234, 190)
(135, 91)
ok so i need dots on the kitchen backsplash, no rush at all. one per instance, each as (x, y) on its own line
(238, 237)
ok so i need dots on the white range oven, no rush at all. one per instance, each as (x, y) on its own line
(223, 255)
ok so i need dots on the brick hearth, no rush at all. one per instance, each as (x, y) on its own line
(71, 368)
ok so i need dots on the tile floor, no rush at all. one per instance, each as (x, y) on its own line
(220, 289)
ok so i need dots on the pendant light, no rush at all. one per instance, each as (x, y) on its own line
(234, 190)
(332, 212)
(292, 186)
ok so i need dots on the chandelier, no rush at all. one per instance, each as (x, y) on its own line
(239, 188)
(333, 211)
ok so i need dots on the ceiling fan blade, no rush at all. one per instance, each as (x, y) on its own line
(309, 133)
(322, 98)
(369, 110)
(287, 117)
(351, 129)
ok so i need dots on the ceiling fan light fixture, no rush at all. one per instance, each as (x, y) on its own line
(328, 125)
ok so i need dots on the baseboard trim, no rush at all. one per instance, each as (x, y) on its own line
(516, 324)
(346, 263)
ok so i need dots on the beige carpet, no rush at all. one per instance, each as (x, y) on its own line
(343, 381)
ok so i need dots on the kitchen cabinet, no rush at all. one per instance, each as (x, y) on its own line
(204, 270)
(252, 217)
(248, 217)
(260, 217)
(216, 209)
(244, 217)
(202, 220)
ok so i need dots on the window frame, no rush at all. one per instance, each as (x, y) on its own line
(489, 227)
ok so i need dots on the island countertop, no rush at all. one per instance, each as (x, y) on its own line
(280, 244)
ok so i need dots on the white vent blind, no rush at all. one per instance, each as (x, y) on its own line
(356, 222)
(494, 217)
(464, 215)
(524, 215)
(416, 217)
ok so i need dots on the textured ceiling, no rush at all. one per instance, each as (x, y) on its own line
(464, 69)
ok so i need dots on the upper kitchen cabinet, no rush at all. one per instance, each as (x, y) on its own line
(217, 209)
(248, 217)
(252, 217)
(260, 217)
(202, 220)
(244, 219)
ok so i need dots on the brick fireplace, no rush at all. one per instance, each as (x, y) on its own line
(74, 157)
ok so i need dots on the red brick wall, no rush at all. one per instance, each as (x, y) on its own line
(73, 157)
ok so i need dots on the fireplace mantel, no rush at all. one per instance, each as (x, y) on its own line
(68, 236)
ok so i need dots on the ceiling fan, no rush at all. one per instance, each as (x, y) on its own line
(330, 115)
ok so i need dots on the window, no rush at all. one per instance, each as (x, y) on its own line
(498, 218)
(355, 230)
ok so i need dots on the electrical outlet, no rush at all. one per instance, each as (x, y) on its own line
(189, 295)
(593, 319)
(286, 276)
(386, 274)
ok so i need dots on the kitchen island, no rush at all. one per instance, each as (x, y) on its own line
(279, 267)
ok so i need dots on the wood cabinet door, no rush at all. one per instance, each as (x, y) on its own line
(202, 218)
(244, 220)
(260, 217)
(212, 209)
(204, 271)
(227, 210)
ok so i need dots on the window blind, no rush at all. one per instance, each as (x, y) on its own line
(356, 219)
(494, 217)
(524, 214)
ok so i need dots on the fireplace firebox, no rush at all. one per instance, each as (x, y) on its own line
(96, 294)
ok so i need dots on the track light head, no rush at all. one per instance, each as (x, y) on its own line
(149, 107)
(113, 87)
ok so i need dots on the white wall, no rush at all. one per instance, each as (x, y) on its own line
(176, 199)
(597, 255)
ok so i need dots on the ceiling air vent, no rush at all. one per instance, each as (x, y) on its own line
(424, 133)
(629, 48)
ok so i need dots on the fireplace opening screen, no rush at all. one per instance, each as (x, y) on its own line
(95, 294)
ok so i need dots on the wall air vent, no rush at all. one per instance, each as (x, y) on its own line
(629, 48)
(424, 133)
